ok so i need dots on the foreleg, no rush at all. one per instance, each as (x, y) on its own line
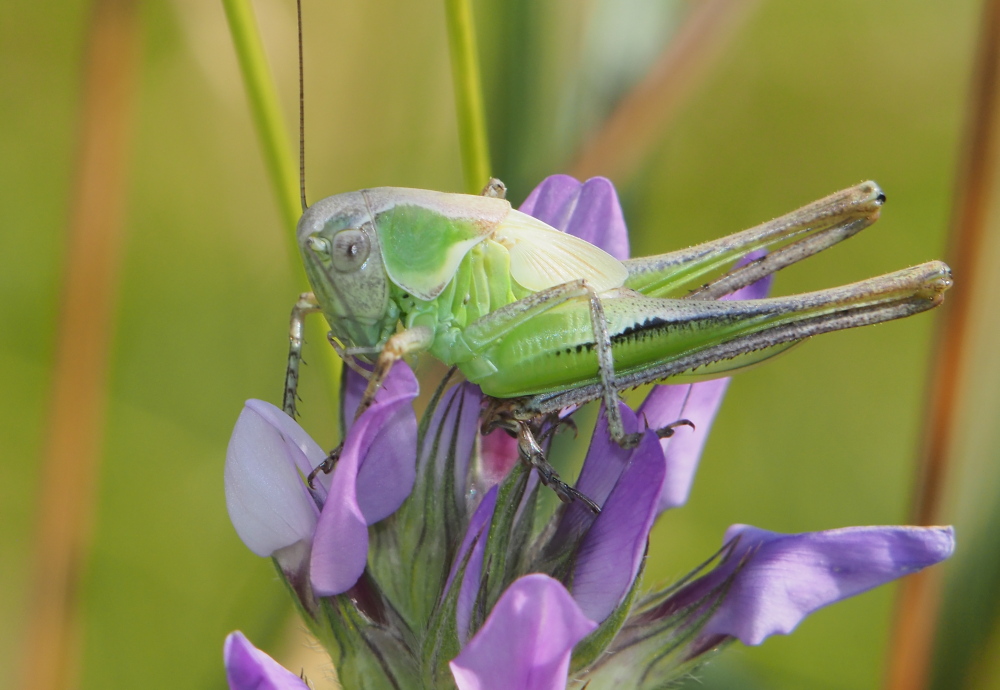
(412, 340)
(306, 304)
(396, 347)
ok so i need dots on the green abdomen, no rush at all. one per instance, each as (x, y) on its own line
(556, 350)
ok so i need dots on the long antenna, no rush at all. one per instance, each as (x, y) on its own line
(302, 117)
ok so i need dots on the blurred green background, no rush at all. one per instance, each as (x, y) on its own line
(807, 98)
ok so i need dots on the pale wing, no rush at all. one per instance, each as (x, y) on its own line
(542, 257)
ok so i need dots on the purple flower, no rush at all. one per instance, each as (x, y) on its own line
(268, 502)
(611, 552)
(779, 579)
(426, 558)
(248, 668)
(373, 477)
(324, 529)
(526, 641)
(765, 584)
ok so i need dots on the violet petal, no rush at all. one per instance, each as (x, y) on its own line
(602, 469)
(340, 545)
(599, 474)
(526, 641)
(696, 402)
(475, 539)
(785, 577)
(389, 466)
(352, 389)
(610, 554)
(589, 210)
(293, 434)
(455, 424)
(248, 668)
(267, 500)
(552, 200)
(340, 549)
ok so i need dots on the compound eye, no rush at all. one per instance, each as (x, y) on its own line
(350, 250)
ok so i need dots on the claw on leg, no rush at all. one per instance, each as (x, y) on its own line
(533, 454)
(348, 358)
(557, 424)
(668, 430)
(326, 467)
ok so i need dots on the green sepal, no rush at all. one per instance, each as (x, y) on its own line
(654, 599)
(305, 602)
(590, 648)
(441, 643)
(367, 653)
(495, 574)
(519, 549)
(555, 554)
(411, 551)
(654, 652)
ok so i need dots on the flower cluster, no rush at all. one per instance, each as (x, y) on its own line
(427, 560)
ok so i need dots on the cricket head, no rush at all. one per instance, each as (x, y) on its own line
(343, 260)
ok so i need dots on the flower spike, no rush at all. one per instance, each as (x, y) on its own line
(429, 558)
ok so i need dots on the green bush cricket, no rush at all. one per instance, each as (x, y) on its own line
(542, 320)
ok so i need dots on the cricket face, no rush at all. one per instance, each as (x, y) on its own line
(343, 260)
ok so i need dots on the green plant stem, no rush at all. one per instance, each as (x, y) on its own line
(468, 94)
(266, 113)
(280, 164)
